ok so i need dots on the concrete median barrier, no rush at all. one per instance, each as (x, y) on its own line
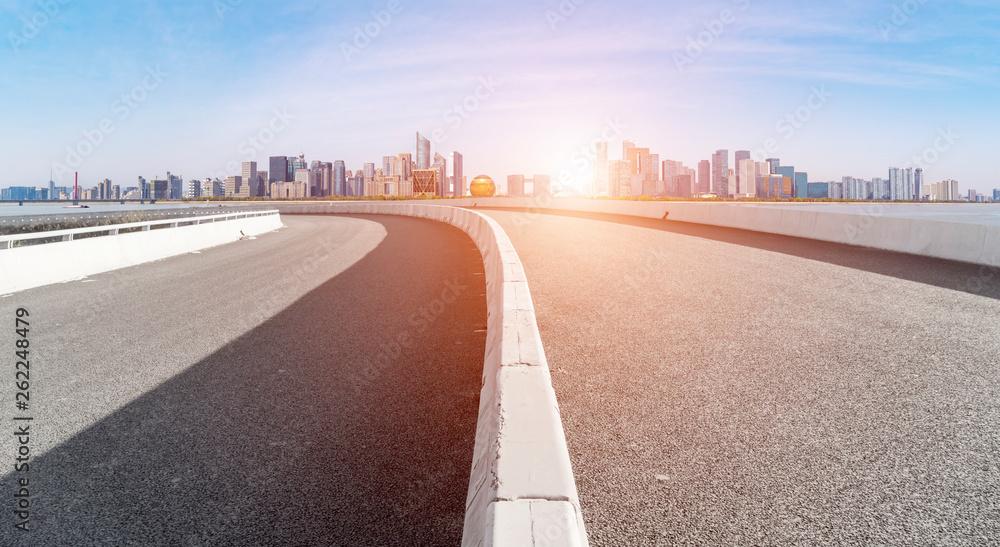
(934, 230)
(521, 487)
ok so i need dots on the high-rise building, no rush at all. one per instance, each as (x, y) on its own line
(441, 180)
(901, 184)
(159, 189)
(299, 163)
(339, 178)
(601, 169)
(277, 169)
(457, 170)
(684, 184)
(746, 177)
(918, 184)
(704, 177)
(671, 169)
(801, 184)
(304, 177)
(194, 189)
(175, 186)
(649, 168)
(773, 164)
(406, 167)
(619, 178)
(741, 184)
(290, 172)
(423, 152)
(389, 166)
(720, 173)
(249, 177)
(633, 158)
(996, 194)
(626, 146)
(369, 171)
(233, 186)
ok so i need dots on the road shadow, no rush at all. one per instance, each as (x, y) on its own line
(948, 274)
(311, 429)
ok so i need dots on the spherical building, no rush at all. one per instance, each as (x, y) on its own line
(482, 187)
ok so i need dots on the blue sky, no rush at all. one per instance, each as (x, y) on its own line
(191, 86)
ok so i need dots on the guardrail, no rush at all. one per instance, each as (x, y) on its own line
(11, 241)
(521, 487)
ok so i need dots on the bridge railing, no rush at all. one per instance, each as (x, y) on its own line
(53, 236)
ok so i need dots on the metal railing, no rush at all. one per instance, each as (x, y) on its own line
(55, 236)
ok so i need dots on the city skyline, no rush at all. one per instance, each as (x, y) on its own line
(839, 90)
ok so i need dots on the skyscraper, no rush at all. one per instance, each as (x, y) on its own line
(704, 177)
(441, 180)
(918, 184)
(457, 170)
(277, 169)
(389, 166)
(369, 171)
(801, 181)
(175, 186)
(626, 146)
(339, 178)
(649, 168)
(773, 163)
(406, 167)
(746, 177)
(633, 157)
(159, 189)
(423, 152)
(720, 173)
(741, 184)
(249, 176)
(619, 178)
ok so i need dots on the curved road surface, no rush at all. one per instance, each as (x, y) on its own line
(724, 387)
(246, 395)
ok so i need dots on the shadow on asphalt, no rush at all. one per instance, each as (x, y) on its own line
(303, 431)
(959, 276)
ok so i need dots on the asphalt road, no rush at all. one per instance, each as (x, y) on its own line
(724, 387)
(250, 394)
